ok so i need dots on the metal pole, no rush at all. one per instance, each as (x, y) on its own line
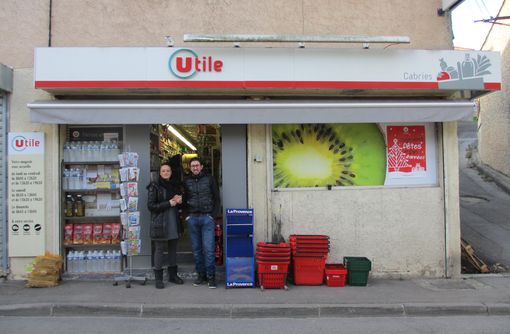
(296, 38)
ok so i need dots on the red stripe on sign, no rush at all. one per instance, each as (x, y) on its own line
(492, 85)
(238, 84)
(367, 85)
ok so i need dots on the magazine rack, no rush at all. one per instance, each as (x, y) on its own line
(130, 216)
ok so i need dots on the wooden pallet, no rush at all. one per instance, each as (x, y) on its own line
(469, 253)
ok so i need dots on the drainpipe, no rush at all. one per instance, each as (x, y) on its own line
(49, 22)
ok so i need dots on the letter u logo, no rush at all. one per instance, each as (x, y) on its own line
(186, 67)
(180, 63)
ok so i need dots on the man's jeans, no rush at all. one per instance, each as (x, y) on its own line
(201, 231)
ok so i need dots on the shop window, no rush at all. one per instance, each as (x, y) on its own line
(338, 155)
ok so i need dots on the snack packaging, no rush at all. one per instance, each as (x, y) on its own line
(87, 234)
(68, 234)
(97, 234)
(107, 233)
(78, 234)
(115, 234)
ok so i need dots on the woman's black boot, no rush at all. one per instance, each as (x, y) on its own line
(172, 275)
(158, 274)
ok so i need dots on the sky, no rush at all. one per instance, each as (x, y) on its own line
(467, 33)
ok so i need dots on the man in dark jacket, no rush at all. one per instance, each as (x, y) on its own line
(201, 200)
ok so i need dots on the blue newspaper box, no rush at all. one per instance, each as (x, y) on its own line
(239, 261)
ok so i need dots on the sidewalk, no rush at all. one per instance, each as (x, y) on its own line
(474, 295)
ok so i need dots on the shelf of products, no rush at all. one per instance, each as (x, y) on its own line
(91, 222)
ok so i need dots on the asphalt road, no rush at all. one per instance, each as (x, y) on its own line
(107, 325)
(484, 208)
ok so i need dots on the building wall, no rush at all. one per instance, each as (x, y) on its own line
(373, 229)
(494, 119)
(24, 24)
(405, 231)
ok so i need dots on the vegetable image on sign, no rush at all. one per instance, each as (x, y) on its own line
(319, 155)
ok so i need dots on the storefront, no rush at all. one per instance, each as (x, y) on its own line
(356, 144)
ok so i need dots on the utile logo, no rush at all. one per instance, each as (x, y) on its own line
(185, 63)
(20, 143)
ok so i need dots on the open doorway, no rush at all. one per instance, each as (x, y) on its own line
(177, 144)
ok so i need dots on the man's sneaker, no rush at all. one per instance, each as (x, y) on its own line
(201, 279)
(211, 282)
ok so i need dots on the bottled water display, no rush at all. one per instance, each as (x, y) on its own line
(86, 151)
(94, 261)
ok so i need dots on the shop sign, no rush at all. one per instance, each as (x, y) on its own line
(265, 68)
(26, 193)
(185, 63)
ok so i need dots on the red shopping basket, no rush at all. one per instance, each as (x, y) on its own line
(272, 280)
(336, 275)
(309, 270)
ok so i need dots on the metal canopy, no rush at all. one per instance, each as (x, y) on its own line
(245, 112)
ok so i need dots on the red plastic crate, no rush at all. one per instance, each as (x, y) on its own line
(336, 275)
(309, 270)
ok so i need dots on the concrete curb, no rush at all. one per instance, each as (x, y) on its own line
(236, 311)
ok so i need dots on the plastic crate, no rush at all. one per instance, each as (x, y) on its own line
(272, 280)
(336, 275)
(357, 263)
(357, 278)
(309, 270)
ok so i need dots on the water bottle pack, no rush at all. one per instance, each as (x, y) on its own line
(94, 261)
(84, 151)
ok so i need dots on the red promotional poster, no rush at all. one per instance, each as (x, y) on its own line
(406, 149)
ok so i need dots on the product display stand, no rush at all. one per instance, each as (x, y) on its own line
(130, 216)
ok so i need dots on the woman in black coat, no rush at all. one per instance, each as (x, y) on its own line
(165, 197)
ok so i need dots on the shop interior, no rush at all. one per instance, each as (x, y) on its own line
(177, 144)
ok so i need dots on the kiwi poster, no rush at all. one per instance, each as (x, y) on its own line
(322, 155)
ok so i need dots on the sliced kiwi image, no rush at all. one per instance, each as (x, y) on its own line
(318, 155)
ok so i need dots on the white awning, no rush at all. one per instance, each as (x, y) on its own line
(246, 112)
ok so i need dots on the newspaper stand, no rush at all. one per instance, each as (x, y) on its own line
(130, 217)
(239, 266)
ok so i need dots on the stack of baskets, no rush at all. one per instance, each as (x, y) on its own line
(273, 261)
(309, 255)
